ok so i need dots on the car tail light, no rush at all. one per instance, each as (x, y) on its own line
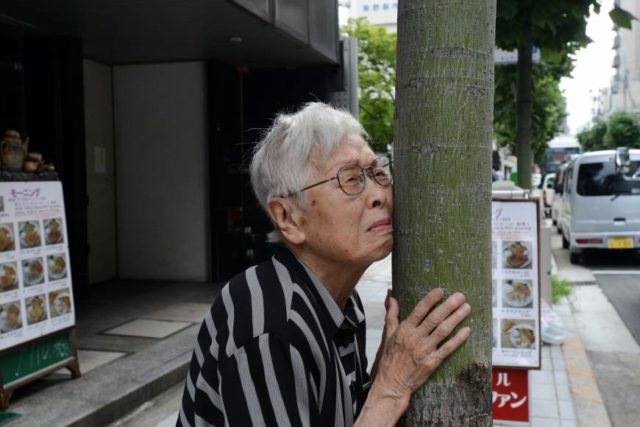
(587, 241)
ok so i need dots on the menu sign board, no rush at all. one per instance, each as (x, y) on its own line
(516, 296)
(36, 296)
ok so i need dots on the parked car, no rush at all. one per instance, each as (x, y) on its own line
(600, 206)
(556, 200)
(548, 188)
(536, 179)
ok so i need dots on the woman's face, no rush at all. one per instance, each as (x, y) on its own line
(353, 230)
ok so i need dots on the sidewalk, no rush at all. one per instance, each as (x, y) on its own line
(135, 341)
(551, 402)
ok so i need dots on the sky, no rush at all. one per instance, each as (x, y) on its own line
(592, 69)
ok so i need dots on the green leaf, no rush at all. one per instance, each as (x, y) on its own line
(621, 17)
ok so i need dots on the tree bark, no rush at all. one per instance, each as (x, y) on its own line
(524, 109)
(442, 187)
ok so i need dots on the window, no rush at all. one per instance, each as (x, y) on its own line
(376, 7)
(567, 180)
(395, 5)
(365, 8)
(601, 179)
(385, 6)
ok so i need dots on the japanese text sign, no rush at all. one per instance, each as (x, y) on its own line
(510, 390)
(36, 297)
(515, 283)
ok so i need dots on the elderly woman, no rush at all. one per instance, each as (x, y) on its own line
(285, 342)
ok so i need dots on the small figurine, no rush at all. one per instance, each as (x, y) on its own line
(14, 150)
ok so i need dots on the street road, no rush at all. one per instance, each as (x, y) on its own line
(615, 361)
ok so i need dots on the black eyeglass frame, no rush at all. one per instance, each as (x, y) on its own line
(366, 171)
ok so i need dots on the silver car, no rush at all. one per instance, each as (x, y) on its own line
(600, 206)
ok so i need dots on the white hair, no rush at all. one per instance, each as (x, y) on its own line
(280, 164)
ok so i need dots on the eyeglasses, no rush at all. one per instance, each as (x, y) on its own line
(351, 178)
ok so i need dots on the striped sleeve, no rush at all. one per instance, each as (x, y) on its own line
(266, 383)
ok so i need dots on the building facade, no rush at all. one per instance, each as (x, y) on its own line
(624, 92)
(150, 109)
(383, 13)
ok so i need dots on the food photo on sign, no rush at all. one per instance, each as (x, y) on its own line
(517, 293)
(36, 311)
(518, 333)
(33, 271)
(10, 317)
(53, 231)
(57, 266)
(516, 254)
(29, 234)
(59, 303)
(7, 239)
(8, 277)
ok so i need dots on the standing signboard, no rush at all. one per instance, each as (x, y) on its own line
(36, 298)
(515, 283)
(515, 267)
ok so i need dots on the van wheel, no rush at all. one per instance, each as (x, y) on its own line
(554, 221)
(574, 258)
(565, 242)
(558, 229)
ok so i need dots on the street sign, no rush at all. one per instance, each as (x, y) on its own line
(510, 393)
(504, 57)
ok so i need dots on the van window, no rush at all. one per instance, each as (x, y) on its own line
(601, 179)
(550, 183)
(568, 179)
(560, 181)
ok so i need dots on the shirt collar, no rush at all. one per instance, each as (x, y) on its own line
(331, 315)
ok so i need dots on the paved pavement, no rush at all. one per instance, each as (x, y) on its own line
(136, 341)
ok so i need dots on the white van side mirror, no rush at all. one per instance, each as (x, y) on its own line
(623, 162)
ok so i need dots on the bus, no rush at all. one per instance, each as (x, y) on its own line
(560, 150)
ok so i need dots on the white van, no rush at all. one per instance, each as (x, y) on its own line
(556, 200)
(600, 202)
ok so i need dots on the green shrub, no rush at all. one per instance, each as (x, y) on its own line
(560, 288)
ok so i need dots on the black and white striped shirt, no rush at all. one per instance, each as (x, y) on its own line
(276, 349)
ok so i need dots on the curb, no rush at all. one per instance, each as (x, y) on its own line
(589, 407)
(588, 404)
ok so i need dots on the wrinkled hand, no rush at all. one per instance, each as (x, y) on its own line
(412, 350)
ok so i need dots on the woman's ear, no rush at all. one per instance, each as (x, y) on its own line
(286, 217)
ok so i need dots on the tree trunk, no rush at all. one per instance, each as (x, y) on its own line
(442, 187)
(523, 110)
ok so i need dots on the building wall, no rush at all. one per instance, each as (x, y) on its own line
(162, 172)
(625, 88)
(383, 13)
(101, 213)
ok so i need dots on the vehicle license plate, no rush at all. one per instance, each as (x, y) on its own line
(620, 243)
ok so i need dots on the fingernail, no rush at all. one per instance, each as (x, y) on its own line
(466, 308)
(459, 296)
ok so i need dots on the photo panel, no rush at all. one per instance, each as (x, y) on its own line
(30, 236)
(517, 293)
(9, 276)
(57, 266)
(516, 254)
(59, 303)
(53, 231)
(518, 334)
(36, 309)
(10, 316)
(7, 237)
(32, 271)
